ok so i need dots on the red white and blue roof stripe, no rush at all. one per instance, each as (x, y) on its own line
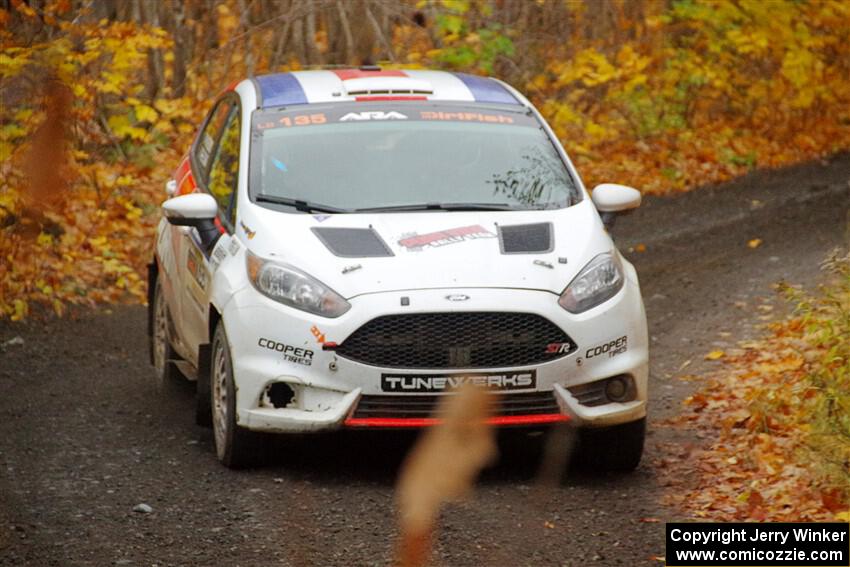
(308, 87)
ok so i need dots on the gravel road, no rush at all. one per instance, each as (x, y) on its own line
(97, 468)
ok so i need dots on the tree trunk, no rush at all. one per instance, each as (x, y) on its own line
(313, 54)
(149, 13)
(348, 52)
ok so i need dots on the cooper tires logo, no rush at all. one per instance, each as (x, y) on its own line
(613, 348)
(298, 355)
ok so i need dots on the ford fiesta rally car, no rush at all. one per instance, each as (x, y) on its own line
(342, 248)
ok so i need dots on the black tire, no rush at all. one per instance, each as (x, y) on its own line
(162, 353)
(203, 396)
(618, 448)
(236, 447)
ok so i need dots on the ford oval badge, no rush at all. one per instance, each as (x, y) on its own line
(457, 297)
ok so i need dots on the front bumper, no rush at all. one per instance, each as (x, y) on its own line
(273, 343)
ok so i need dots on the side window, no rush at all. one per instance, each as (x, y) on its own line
(206, 143)
(224, 170)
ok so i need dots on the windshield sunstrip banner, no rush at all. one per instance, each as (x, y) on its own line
(421, 383)
(359, 113)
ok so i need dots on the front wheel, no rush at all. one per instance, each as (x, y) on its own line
(617, 448)
(236, 447)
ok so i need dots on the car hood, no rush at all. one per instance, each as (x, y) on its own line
(357, 254)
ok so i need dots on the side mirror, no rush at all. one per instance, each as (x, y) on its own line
(198, 210)
(611, 199)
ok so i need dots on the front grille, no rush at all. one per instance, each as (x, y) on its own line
(419, 406)
(457, 340)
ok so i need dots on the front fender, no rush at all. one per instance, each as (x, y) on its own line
(227, 264)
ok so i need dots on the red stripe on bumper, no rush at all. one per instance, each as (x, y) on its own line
(537, 419)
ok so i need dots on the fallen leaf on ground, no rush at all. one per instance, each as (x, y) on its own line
(715, 355)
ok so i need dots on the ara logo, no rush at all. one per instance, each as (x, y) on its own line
(373, 115)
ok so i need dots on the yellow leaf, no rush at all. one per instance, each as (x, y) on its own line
(715, 355)
(44, 239)
(21, 309)
(754, 243)
(145, 113)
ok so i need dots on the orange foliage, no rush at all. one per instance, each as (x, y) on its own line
(773, 422)
(83, 164)
(706, 91)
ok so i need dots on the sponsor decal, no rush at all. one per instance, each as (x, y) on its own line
(416, 242)
(320, 336)
(218, 254)
(275, 118)
(445, 382)
(373, 115)
(248, 232)
(558, 348)
(196, 268)
(613, 348)
(234, 246)
(294, 120)
(290, 353)
(467, 117)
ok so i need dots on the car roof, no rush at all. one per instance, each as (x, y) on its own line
(376, 84)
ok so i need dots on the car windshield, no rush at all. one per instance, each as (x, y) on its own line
(406, 156)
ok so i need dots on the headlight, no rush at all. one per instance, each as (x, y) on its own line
(598, 281)
(293, 287)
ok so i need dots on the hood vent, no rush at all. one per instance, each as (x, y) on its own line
(352, 242)
(526, 238)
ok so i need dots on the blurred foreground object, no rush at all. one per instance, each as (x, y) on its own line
(45, 162)
(441, 467)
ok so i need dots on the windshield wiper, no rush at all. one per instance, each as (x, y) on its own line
(299, 204)
(441, 207)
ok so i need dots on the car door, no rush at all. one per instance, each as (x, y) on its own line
(215, 164)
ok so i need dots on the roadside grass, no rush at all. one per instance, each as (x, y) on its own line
(774, 421)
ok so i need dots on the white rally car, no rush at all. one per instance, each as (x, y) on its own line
(342, 248)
